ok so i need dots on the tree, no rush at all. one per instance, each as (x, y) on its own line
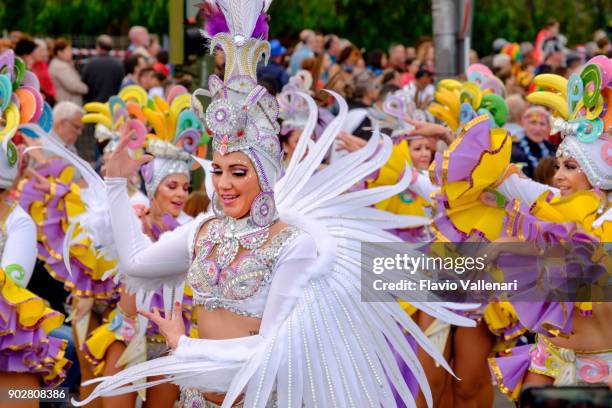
(368, 23)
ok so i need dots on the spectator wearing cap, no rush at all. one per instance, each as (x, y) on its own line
(275, 71)
(554, 56)
(102, 73)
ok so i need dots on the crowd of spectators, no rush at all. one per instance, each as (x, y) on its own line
(362, 77)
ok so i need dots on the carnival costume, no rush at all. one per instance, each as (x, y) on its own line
(25, 320)
(581, 116)
(181, 134)
(317, 344)
(177, 134)
(398, 107)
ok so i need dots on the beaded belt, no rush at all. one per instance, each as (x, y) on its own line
(193, 398)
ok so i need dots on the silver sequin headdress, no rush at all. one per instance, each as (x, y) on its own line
(242, 116)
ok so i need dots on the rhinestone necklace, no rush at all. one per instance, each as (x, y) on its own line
(230, 234)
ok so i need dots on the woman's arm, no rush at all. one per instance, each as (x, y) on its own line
(524, 189)
(167, 259)
(19, 255)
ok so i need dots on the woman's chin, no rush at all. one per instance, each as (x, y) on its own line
(233, 212)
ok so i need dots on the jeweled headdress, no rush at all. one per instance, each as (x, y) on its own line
(20, 103)
(242, 116)
(398, 107)
(294, 110)
(583, 114)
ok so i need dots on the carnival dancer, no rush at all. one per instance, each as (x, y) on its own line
(512, 208)
(275, 272)
(414, 151)
(573, 338)
(167, 184)
(456, 104)
(120, 342)
(29, 357)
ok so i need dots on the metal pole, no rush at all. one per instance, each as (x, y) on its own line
(464, 36)
(445, 29)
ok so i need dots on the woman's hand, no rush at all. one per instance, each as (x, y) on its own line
(120, 163)
(40, 182)
(427, 129)
(171, 327)
(82, 306)
(348, 142)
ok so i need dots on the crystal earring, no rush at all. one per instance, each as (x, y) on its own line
(216, 206)
(263, 209)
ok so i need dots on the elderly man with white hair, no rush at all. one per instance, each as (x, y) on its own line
(139, 41)
(67, 124)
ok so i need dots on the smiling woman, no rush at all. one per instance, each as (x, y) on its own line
(275, 270)
(235, 182)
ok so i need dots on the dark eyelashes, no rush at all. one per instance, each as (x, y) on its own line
(235, 173)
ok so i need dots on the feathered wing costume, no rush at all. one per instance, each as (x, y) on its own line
(319, 344)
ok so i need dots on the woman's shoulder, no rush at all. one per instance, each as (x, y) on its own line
(286, 236)
(19, 219)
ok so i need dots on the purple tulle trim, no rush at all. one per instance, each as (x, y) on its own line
(51, 239)
(29, 349)
(508, 372)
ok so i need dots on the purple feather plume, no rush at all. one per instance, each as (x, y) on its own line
(261, 27)
(216, 23)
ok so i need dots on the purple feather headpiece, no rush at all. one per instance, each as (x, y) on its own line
(215, 22)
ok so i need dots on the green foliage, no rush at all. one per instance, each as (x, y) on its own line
(85, 17)
(368, 23)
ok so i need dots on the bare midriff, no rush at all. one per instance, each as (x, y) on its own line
(590, 333)
(221, 324)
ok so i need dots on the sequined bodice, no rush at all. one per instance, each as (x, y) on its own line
(240, 286)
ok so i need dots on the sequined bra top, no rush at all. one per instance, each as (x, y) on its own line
(241, 288)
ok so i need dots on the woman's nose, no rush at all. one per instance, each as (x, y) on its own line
(225, 182)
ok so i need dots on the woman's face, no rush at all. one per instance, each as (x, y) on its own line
(236, 183)
(66, 54)
(420, 153)
(172, 193)
(569, 178)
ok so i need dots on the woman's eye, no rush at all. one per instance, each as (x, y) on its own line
(239, 173)
(217, 171)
